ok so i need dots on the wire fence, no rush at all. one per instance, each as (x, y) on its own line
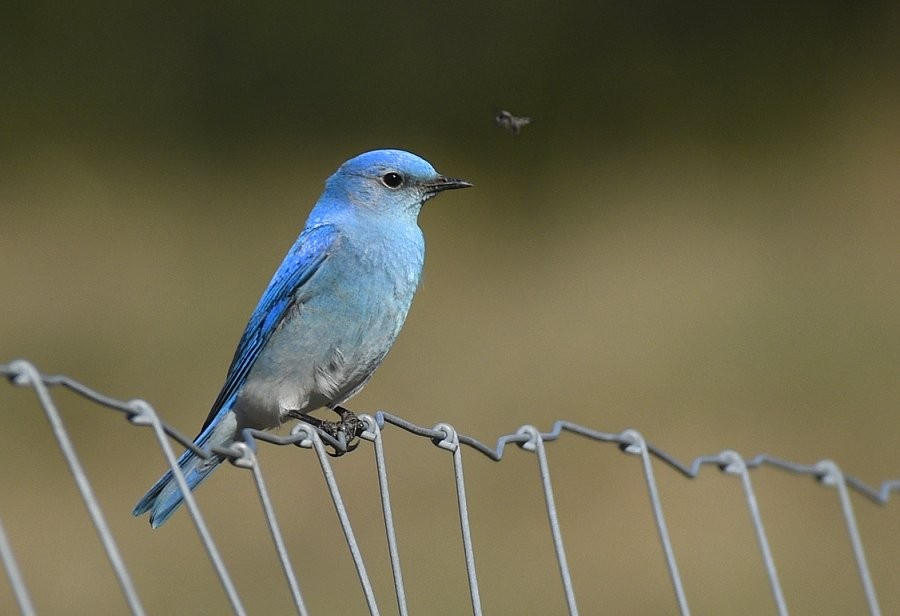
(444, 436)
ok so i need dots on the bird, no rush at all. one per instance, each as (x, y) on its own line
(330, 314)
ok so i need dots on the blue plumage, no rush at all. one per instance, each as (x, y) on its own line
(330, 313)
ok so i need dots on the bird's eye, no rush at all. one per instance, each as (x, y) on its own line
(392, 180)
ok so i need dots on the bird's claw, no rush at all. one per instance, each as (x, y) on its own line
(345, 431)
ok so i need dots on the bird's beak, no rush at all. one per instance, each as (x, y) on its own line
(444, 183)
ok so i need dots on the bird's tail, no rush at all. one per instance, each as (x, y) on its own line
(165, 497)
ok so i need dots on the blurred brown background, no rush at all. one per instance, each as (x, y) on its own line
(697, 237)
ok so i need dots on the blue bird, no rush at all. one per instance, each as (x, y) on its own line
(330, 313)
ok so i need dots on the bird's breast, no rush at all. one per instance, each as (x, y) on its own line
(338, 330)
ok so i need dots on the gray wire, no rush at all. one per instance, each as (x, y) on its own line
(144, 414)
(141, 413)
(373, 433)
(311, 439)
(15, 575)
(731, 462)
(450, 442)
(637, 445)
(536, 444)
(249, 460)
(27, 374)
(831, 474)
(880, 495)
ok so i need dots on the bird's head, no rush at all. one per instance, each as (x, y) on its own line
(388, 182)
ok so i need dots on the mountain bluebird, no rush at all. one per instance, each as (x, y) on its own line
(330, 314)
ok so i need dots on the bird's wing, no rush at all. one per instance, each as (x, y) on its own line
(304, 259)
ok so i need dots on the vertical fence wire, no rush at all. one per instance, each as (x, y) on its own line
(639, 446)
(15, 575)
(734, 464)
(146, 415)
(450, 442)
(832, 475)
(373, 433)
(312, 440)
(536, 444)
(28, 375)
(249, 460)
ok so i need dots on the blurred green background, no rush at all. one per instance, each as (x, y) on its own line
(698, 237)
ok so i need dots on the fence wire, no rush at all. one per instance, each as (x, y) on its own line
(445, 436)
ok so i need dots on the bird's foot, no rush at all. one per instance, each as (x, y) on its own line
(346, 431)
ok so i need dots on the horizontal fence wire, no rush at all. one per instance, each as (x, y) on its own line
(445, 436)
